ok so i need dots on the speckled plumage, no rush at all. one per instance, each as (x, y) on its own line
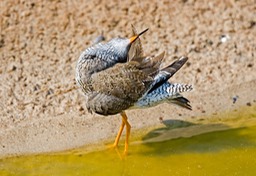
(167, 92)
(115, 76)
(163, 91)
(96, 59)
(114, 79)
(120, 86)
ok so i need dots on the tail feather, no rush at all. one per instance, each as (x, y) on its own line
(182, 102)
(168, 72)
(178, 88)
(174, 67)
(167, 92)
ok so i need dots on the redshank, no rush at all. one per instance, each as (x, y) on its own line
(114, 82)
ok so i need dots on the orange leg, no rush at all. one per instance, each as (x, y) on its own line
(119, 133)
(128, 129)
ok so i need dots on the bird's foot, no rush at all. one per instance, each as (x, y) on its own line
(112, 146)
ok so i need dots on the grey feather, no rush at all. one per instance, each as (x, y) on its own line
(167, 92)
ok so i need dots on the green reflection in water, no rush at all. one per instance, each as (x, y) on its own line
(227, 151)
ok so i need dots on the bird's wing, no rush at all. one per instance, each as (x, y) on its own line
(129, 80)
(119, 87)
(136, 50)
(167, 72)
(115, 89)
(124, 81)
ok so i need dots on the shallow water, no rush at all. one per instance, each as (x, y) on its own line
(224, 150)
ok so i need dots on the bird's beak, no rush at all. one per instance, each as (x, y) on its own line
(133, 38)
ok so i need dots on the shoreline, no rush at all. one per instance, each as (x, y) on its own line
(75, 133)
(42, 110)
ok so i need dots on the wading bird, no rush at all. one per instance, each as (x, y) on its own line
(115, 76)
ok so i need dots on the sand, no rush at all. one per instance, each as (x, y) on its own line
(41, 108)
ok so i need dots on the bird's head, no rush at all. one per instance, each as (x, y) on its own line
(123, 45)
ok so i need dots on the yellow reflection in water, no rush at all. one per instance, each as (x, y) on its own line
(226, 152)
